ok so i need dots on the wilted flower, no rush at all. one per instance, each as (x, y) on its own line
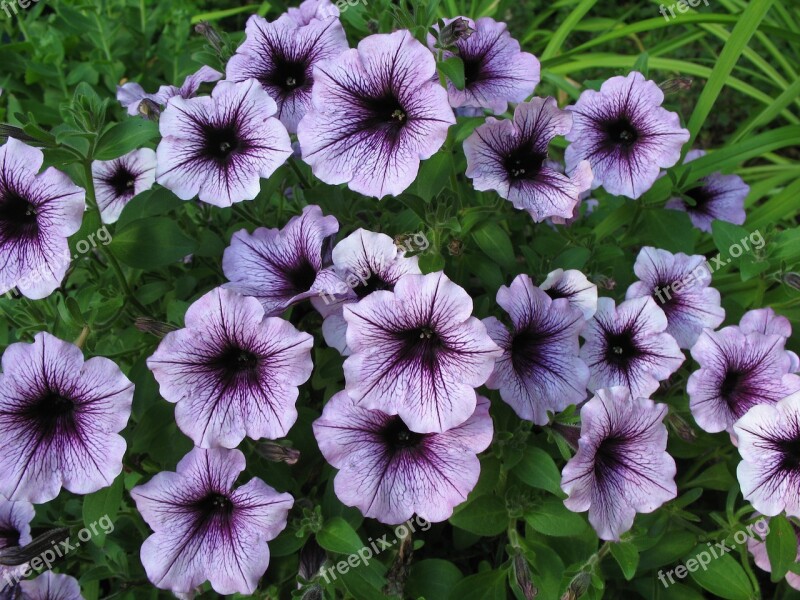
(282, 266)
(737, 371)
(117, 181)
(621, 467)
(628, 346)
(418, 352)
(496, 71)
(540, 370)
(376, 112)
(389, 472)
(131, 94)
(233, 372)
(37, 215)
(311, 10)
(204, 528)
(625, 134)
(575, 287)
(219, 146)
(511, 158)
(681, 285)
(281, 56)
(59, 420)
(716, 196)
(50, 586)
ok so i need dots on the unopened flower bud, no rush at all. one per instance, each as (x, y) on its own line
(578, 586)
(149, 110)
(205, 29)
(523, 575)
(153, 327)
(275, 452)
(792, 280)
(673, 86)
(458, 29)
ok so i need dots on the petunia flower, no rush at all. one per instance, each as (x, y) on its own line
(232, 371)
(37, 215)
(311, 10)
(575, 287)
(418, 352)
(281, 267)
(220, 146)
(131, 94)
(540, 369)
(625, 134)
(496, 71)
(768, 436)
(737, 371)
(716, 196)
(767, 321)
(627, 345)
(758, 548)
(681, 285)
(204, 528)
(50, 586)
(511, 158)
(376, 112)
(117, 181)
(622, 466)
(364, 262)
(281, 56)
(389, 472)
(59, 420)
(15, 530)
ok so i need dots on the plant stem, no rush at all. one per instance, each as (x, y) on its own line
(303, 181)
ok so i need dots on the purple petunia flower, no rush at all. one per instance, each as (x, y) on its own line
(768, 436)
(389, 472)
(204, 528)
(59, 420)
(418, 352)
(681, 285)
(625, 134)
(310, 10)
(511, 158)
(628, 346)
(540, 370)
(233, 372)
(766, 321)
(364, 262)
(50, 586)
(37, 215)
(219, 146)
(376, 112)
(716, 196)
(117, 181)
(15, 530)
(496, 71)
(131, 94)
(737, 371)
(575, 287)
(621, 467)
(758, 548)
(281, 56)
(282, 266)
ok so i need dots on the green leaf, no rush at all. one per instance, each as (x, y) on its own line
(627, 557)
(641, 64)
(495, 243)
(100, 510)
(338, 536)
(668, 229)
(722, 576)
(432, 578)
(553, 518)
(490, 585)
(123, 137)
(728, 238)
(485, 516)
(433, 175)
(539, 470)
(781, 547)
(453, 69)
(151, 243)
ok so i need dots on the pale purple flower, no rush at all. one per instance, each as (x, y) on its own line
(131, 94)
(716, 196)
(540, 370)
(232, 371)
(625, 134)
(50, 586)
(575, 287)
(737, 371)
(364, 262)
(117, 181)
(310, 10)
(768, 436)
(496, 71)
(758, 548)
(38, 212)
(376, 112)
(511, 158)
(622, 466)
(281, 56)
(60, 417)
(220, 146)
(204, 528)
(418, 352)
(389, 472)
(766, 321)
(281, 267)
(15, 531)
(681, 285)
(627, 345)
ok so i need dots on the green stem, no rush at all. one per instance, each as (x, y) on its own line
(303, 181)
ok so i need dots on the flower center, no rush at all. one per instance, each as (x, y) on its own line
(374, 283)
(287, 75)
(9, 537)
(621, 348)
(621, 132)
(791, 453)
(222, 142)
(236, 365)
(525, 353)
(609, 456)
(701, 197)
(215, 505)
(18, 216)
(302, 276)
(472, 69)
(730, 383)
(398, 436)
(524, 164)
(398, 115)
(122, 181)
(53, 412)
